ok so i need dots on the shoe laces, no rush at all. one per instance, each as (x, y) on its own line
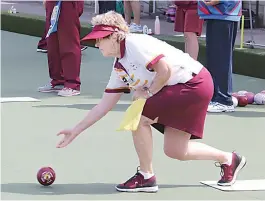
(134, 177)
(224, 170)
(217, 104)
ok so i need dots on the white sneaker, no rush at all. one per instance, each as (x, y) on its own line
(68, 92)
(216, 107)
(135, 28)
(50, 88)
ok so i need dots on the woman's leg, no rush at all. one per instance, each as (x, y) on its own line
(127, 11)
(191, 44)
(143, 143)
(144, 180)
(136, 9)
(177, 145)
(192, 29)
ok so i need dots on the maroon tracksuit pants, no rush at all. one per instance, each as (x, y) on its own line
(64, 53)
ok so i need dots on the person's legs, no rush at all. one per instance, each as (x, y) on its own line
(53, 54)
(42, 44)
(233, 30)
(69, 44)
(210, 54)
(144, 180)
(136, 9)
(219, 42)
(182, 24)
(177, 145)
(54, 60)
(225, 79)
(143, 142)
(127, 11)
(192, 29)
(191, 44)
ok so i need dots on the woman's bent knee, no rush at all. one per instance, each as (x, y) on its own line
(175, 154)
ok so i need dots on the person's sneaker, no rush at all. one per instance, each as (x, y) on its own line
(229, 172)
(216, 107)
(68, 92)
(50, 88)
(42, 49)
(135, 28)
(137, 183)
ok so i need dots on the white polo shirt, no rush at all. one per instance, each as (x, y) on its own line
(139, 52)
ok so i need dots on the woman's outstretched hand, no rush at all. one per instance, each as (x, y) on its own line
(68, 136)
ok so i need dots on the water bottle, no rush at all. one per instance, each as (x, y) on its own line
(157, 26)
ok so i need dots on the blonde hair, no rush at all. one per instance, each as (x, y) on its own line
(113, 19)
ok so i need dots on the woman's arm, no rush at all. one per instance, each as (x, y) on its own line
(163, 73)
(108, 101)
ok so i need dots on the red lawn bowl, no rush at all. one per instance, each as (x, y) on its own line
(46, 176)
(250, 97)
(242, 101)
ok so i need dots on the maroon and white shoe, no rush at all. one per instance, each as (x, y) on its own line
(229, 172)
(68, 92)
(137, 183)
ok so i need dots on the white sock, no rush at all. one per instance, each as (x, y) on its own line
(229, 161)
(146, 175)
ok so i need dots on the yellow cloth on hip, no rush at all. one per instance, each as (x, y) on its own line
(132, 116)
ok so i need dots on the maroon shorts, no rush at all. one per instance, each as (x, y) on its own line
(188, 21)
(182, 106)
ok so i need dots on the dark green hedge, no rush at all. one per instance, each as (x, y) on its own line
(250, 62)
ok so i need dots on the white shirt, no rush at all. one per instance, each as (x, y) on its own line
(134, 69)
